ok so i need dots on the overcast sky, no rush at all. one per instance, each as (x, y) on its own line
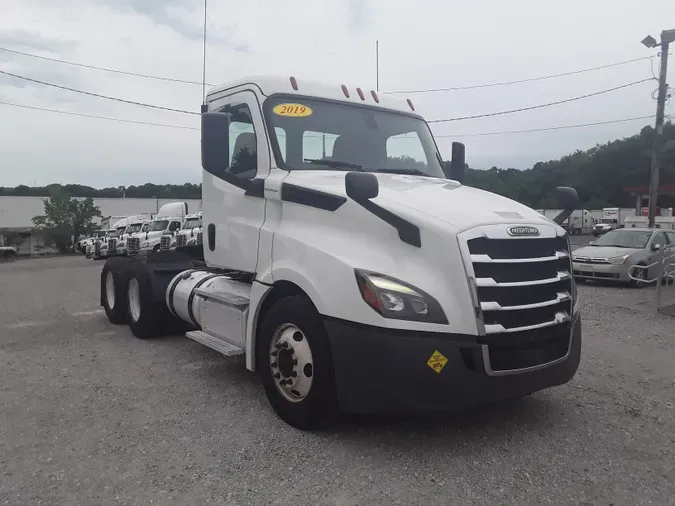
(423, 44)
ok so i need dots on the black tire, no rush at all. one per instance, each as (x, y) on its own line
(115, 269)
(319, 409)
(156, 248)
(155, 319)
(149, 322)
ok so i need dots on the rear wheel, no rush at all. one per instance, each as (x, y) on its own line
(113, 290)
(296, 365)
(146, 314)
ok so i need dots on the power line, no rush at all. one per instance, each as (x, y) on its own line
(102, 69)
(540, 106)
(547, 129)
(97, 95)
(165, 125)
(520, 81)
(92, 116)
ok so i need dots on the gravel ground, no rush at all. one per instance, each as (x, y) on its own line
(91, 415)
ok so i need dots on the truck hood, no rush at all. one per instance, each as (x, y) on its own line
(461, 206)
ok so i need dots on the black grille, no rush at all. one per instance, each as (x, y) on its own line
(133, 244)
(97, 247)
(181, 240)
(165, 242)
(112, 244)
(200, 238)
(518, 272)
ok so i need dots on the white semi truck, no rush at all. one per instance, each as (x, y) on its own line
(581, 221)
(350, 280)
(612, 218)
(190, 234)
(134, 224)
(167, 220)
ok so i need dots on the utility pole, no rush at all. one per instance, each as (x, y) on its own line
(667, 36)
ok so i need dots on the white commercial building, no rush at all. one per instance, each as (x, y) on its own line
(16, 214)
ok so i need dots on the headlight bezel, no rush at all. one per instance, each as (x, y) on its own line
(374, 285)
(618, 260)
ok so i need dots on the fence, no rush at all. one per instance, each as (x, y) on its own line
(663, 271)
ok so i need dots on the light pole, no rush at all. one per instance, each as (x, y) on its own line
(667, 36)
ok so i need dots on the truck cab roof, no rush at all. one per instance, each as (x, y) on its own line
(268, 85)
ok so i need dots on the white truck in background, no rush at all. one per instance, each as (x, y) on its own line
(134, 224)
(581, 221)
(612, 218)
(135, 239)
(168, 219)
(350, 280)
(190, 234)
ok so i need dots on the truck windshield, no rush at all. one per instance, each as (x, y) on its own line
(159, 225)
(313, 134)
(134, 228)
(120, 231)
(192, 223)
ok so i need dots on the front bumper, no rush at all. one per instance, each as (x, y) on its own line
(386, 371)
(605, 272)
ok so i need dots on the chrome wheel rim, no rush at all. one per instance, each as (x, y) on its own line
(134, 297)
(291, 363)
(110, 289)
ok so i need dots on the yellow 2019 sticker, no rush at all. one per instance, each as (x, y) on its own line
(437, 361)
(292, 110)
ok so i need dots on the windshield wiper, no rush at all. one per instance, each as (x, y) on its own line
(335, 164)
(412, 172)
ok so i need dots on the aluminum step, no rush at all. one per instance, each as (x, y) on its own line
(215, 343)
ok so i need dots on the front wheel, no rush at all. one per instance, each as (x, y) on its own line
(640, 275)
(296, 365)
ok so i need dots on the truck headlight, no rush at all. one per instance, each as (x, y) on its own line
(121, 245)
(397, 300)
(145, 244)
(618, 260)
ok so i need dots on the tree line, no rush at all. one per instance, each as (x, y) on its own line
(599, 174)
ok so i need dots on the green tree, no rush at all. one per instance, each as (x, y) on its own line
(65, 219)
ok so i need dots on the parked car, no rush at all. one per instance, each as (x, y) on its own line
(611, 256)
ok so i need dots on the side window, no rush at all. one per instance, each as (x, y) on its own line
(243, 143)
(660, 239)
(175, 225)
(671, 237)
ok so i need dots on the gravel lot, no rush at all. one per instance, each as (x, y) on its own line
(91, 415)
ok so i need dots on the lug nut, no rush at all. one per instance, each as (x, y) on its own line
(273, 364)
(277, 376)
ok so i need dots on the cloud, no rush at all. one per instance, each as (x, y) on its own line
(423, 44)
(26, 40)
(186, 17)
(358, 15)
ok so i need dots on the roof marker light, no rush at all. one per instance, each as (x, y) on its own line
(345, 91)
(411, 105)
(294, 83)
(375, 97)
(360, 92)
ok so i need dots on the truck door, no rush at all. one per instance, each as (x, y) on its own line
(233, 208)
